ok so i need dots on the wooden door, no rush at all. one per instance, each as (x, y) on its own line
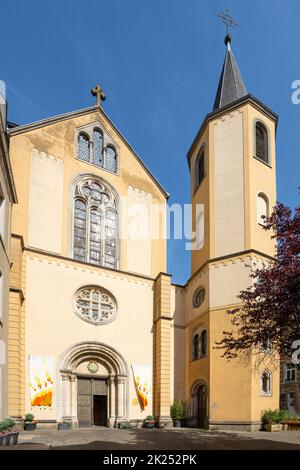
(201, 406)
(84, 402)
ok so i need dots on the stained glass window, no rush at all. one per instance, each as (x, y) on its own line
(83, 147)
(80, 230)
(95, 223)
(95, 305)
(97, 147)
(111, 159)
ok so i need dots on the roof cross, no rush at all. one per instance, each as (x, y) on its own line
(99, 93)
(227, 19)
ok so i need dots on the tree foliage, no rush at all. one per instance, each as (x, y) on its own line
(270, 308)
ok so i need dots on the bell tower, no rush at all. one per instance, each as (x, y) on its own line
(233, 175)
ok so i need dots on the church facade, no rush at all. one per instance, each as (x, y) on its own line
(98, 333)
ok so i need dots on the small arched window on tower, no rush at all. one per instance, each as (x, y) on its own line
(262, 207)
(195, 347)
(83, 149)
(199, 168)
(199, 344)
(266, 383)
(261, 142)
(97, 147)
(204, 343)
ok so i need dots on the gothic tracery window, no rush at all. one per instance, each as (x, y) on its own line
(95, 305)
(95, 223)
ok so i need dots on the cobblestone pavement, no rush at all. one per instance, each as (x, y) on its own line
(172, 439)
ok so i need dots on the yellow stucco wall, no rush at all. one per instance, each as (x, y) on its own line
(52, 325)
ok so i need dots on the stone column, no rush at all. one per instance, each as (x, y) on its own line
(66, 395)
(73, 407)
(112, 401)
(120, 381)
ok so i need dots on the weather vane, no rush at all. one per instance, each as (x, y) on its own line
(228, 20)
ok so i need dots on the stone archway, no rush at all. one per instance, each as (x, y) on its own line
(117, 380)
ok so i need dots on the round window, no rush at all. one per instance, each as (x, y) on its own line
(95, 305)
(198, 297)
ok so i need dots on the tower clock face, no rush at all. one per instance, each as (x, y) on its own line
(93, 367)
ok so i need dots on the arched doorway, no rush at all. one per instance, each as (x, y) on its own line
(96, 398)
(199, 402)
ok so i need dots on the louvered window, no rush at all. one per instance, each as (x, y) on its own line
(261, 143)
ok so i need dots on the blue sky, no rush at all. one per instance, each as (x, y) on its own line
(159, 62)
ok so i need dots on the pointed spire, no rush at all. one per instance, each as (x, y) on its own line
(231, 86)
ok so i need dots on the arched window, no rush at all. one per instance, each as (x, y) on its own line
(266, 346)
(79, 229)
(199, 169)
(95, 223)
(195, 352)
(83, 150)
(204, 343)
(97, 147)
(266, 383)
(262, 208)
(199, 344)
(111, 159)
(261, 142)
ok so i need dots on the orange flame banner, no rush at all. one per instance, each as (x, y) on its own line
(143, 383)
(41, 371)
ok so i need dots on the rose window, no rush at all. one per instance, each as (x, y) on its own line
(95, 305)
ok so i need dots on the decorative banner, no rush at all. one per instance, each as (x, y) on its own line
(143, 383)
(41, 370)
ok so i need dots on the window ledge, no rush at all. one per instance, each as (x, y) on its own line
(199, 185)
(262, 161)
(199, 358)
(116, 173)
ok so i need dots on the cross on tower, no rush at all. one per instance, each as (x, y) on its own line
(99, 93)
(227, 19)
